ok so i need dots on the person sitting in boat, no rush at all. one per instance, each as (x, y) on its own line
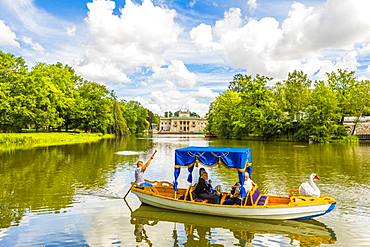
(203, 189)
(248, 183)
(235, 198)
(140, 169)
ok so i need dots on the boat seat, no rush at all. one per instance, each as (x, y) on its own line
(258, 199)
(262, 201)
(223, 197)
(189, 194)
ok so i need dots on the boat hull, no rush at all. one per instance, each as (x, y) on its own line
(255, 212)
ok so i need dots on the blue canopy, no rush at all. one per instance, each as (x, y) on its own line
(234, 158)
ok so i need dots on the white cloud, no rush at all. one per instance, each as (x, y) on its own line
(171, 99)
(205, 92)
(138, 37)
(338, 24)
(252, 4)
(102, 71)
(310, 38)
(7, 36)
(71, 30)
(147, 37)
(33, 19)
(34, 45)
(202, 36)
(175, 73)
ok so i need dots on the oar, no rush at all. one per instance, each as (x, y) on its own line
(124, 198)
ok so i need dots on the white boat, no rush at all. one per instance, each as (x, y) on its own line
(255, 206)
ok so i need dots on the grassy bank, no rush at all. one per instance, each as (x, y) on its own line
(49, 139)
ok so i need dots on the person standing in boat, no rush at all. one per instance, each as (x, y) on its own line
(140, 169)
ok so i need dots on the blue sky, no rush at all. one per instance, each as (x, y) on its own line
(171, 54)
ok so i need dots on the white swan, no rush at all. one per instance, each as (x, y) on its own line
(309, 187)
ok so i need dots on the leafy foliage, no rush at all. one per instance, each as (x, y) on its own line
(53, 97)
(289, 108)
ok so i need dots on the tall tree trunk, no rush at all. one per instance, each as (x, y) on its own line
(354, 127)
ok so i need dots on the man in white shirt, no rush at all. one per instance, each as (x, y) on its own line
(235, 197)
(248, 183)
(140, 169)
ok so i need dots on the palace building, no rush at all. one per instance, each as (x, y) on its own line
(183, 124)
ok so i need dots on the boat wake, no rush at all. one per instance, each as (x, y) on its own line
(101, 193)
(128, 153)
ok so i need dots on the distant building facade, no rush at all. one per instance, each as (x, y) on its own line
(182, 124)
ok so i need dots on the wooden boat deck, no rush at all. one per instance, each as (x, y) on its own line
(165, 190)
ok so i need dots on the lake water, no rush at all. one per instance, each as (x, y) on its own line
(72, 196)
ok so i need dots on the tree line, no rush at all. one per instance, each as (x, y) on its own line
(177, 114)
(297, 108)
(53, 97)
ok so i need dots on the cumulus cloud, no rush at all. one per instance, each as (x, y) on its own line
(34, 45)
(205, 92)
(171, 87)
(137, 37)
(7, 36)
(202, 36)
(172, 99)
(175, 73)
(337, 24)
(310, 38)
(102, 71)
(252, 4)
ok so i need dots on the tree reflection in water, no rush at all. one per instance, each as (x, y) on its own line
(47, 178)
(202, 230)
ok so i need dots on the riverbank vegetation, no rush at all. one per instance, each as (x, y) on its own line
(50, 139)
(52, 97)
(296, 108)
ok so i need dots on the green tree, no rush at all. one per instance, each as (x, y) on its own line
(296, 93)
(341, 83)
(194, 114)
(223, 116)
(14, 108)
(259, 114)
(55, 95)
(136, 117)
(153, 119)
(359, 97)
(94, 107)
(323, 114)
(120, 125)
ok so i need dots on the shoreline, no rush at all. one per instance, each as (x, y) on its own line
(46, 139)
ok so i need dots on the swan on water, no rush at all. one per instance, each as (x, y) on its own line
(309, 188)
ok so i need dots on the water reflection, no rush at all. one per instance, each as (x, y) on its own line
(202, 230)
(63, 195)
(46, 179)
